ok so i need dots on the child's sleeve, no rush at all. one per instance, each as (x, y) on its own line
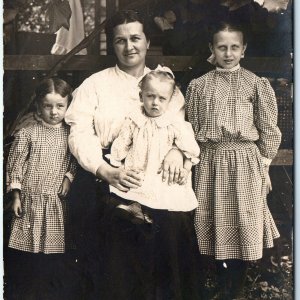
(192, 101)
(185, 141)
(121, 145)
(17, 158)
(73, 167)
(265, 118)
(177, 104)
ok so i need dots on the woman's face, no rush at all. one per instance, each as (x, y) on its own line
(130, 45)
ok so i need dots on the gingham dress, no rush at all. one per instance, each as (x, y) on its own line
(234, 116)
(38, 161)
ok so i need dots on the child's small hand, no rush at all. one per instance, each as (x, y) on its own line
(64, 188)
(16, 206)
(268, 180)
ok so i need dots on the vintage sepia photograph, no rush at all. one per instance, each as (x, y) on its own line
(148, 149)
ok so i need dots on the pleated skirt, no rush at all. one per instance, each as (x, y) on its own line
(232, 220)
(43, 226)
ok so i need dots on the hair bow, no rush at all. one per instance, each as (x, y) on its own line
(165, 69)
(212, 60)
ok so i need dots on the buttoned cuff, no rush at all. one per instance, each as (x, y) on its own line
(69, 176)
(13, 186)
(266, 161)
(112, 161)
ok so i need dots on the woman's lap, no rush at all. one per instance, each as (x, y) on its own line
(128, 261)
(153, 261)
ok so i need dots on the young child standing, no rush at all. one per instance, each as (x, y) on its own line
(146, 137)
(40, 170)
(234, 115)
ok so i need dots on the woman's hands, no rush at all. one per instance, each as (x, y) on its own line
(187, 166)
(172, 170)
(64, 188)
(16, 205)
(172, 167)
(120, 178)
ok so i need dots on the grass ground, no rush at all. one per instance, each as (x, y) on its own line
(269, 278)
(266, 279)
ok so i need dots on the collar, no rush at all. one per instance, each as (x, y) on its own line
(140, 118)
(228, 70)
(128, 76)
(50, 125)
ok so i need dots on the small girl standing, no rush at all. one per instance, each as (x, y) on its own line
(40, 171)
(234, 115)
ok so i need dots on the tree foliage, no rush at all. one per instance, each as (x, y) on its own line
(47, 16)
(59, 14)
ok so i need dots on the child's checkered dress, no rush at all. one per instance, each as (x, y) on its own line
(38, 161)
(234, 116)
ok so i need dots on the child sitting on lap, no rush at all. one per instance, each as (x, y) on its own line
(146, 137)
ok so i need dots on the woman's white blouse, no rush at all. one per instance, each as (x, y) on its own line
(98, 110)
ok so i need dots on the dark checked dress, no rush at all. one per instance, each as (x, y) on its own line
(234, 116)
(38, 161)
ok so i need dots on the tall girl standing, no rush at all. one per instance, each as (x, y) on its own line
(234, 115)
(40, 171)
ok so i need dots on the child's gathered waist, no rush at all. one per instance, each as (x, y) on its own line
(232, 145)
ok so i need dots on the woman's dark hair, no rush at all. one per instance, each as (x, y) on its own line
(228, 25)
(52, 85)
(124, 17)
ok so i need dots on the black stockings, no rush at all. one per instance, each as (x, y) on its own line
(231, 277)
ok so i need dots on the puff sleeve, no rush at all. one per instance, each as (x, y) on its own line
(185, 141)
(73, 167)
(17, 158)
(83, 140)
(122, 144)
(193, 103)
(265, 119)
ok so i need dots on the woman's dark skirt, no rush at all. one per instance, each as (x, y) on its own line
(158, 261)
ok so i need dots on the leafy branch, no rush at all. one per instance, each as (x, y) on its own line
(59, 14)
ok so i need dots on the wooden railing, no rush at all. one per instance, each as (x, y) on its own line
(275, 66)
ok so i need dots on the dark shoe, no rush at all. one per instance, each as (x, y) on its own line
(239, 296)
(221, 295)
(132, 213)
